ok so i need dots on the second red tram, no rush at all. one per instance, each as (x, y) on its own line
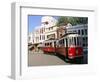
(49, 46)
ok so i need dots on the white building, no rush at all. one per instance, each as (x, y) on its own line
(30, 38)
(46, 31)
(49, 22)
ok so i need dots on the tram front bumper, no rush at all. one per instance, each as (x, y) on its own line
(74, 57)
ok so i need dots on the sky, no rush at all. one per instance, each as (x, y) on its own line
(34, 21)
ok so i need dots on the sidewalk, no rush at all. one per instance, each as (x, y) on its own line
(40, 59)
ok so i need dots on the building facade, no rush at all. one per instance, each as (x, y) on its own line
(46, 31)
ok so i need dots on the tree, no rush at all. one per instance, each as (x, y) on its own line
(63, 20)
(82, 20)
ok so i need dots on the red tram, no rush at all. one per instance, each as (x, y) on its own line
(69, 46)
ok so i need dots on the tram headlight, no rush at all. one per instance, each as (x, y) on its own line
(70, 54)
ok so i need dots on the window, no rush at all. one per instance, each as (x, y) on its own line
(60, 35)
(85, 31)
(50, 44)
(54, 43)
(74, 31)
(86, 41)
(60, 42)
(63, 41)
(44, 37)
(44, 29)
(29, 38)
(45, 44)
(46, 23)
(82, 32)
(78, 31)
(69, 41)
(52, 28)
(83, 44)
(40, 37)
(66, 42)
(83, 41)
(75, 40)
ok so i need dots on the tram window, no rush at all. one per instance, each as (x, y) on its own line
(79, 41)
(50, 44)
(72, 42)
(63, 41)
(66, 42)
(54, 43)
(75, 40)
(69, 41)
(45, 44)
(60, 42)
